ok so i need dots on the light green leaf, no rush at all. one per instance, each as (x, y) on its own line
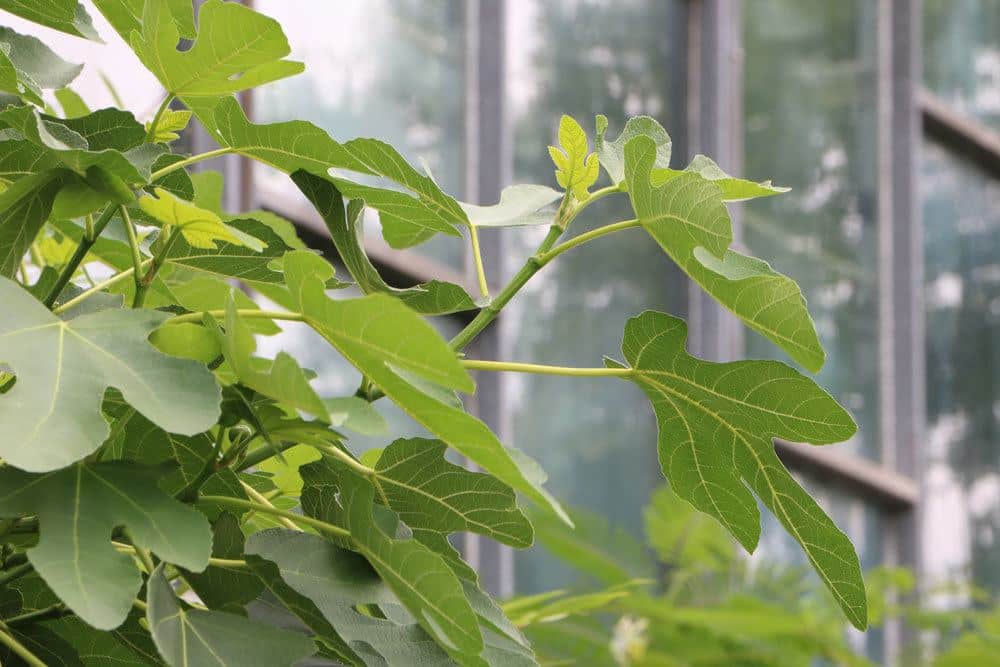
(356, 414)
(281, 379)
(52, 415)
(187, 340)
(77, 509)
(428, 492)
(519, 206)
(381, 353)
(366, 330)
(236, 48)
(346, 230)
(717, 423)
(199, 227)
(68, 16)
(684, 537)
(71, 103)
(612, 153)
(171, 122)
(24, 207)
(576, 171)
(108, 139)
(235, 260)
(295, 145)
(196, 638)
(420, 578)
(126, 15)
(28, 66)
(285, 474)
(733, 189)
(208, 187)
(557, 605)
(686, 214)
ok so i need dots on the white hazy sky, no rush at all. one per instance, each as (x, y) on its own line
(138, 88)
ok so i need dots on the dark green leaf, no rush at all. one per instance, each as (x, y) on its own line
(346, 230)
(24, 207)
(688, 219)
(78, 507)
(717, 423)
(420, 578)
(226, 588)
(428, 492)
(195, 638)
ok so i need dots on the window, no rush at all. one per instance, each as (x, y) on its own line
(595, 438)
(961, 210)
(810, 124)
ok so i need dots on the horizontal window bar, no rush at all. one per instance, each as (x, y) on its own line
(959, 131)
(873, 480)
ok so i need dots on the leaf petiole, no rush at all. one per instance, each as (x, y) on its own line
(17, 647)
(477, 257)
(239, 503)
(182, 164)
(79, 255)
(539, 369)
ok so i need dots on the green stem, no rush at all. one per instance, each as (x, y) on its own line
(99, 287)
(190, 491)
(587, 237)
(242, 312)
(490, 312)
(348, 460)
(81, 252)
(144, 555)
(15, 572)
(54, 611)
(18, 648)
(596, 195)
(538, 369)
(322, 526)
(142, 285)
(263, 453)
(133, 242)
(151, 132)
(183, 164)
(477, 258)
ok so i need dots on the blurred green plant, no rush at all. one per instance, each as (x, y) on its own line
(690, 598)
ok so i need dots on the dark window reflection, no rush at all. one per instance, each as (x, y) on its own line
(961, 55)
(961, 210)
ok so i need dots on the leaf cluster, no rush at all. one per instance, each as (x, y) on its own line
(168, 496)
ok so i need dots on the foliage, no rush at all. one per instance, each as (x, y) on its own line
(168, 496)
(711, 606)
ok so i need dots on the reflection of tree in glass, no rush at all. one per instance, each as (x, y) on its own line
(962, 247)
(597, 439)
(810, 124)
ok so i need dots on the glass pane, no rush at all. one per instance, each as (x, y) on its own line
(595, 437)
(961, 54)
(390, 69)
(961, 209)
(810, 124)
